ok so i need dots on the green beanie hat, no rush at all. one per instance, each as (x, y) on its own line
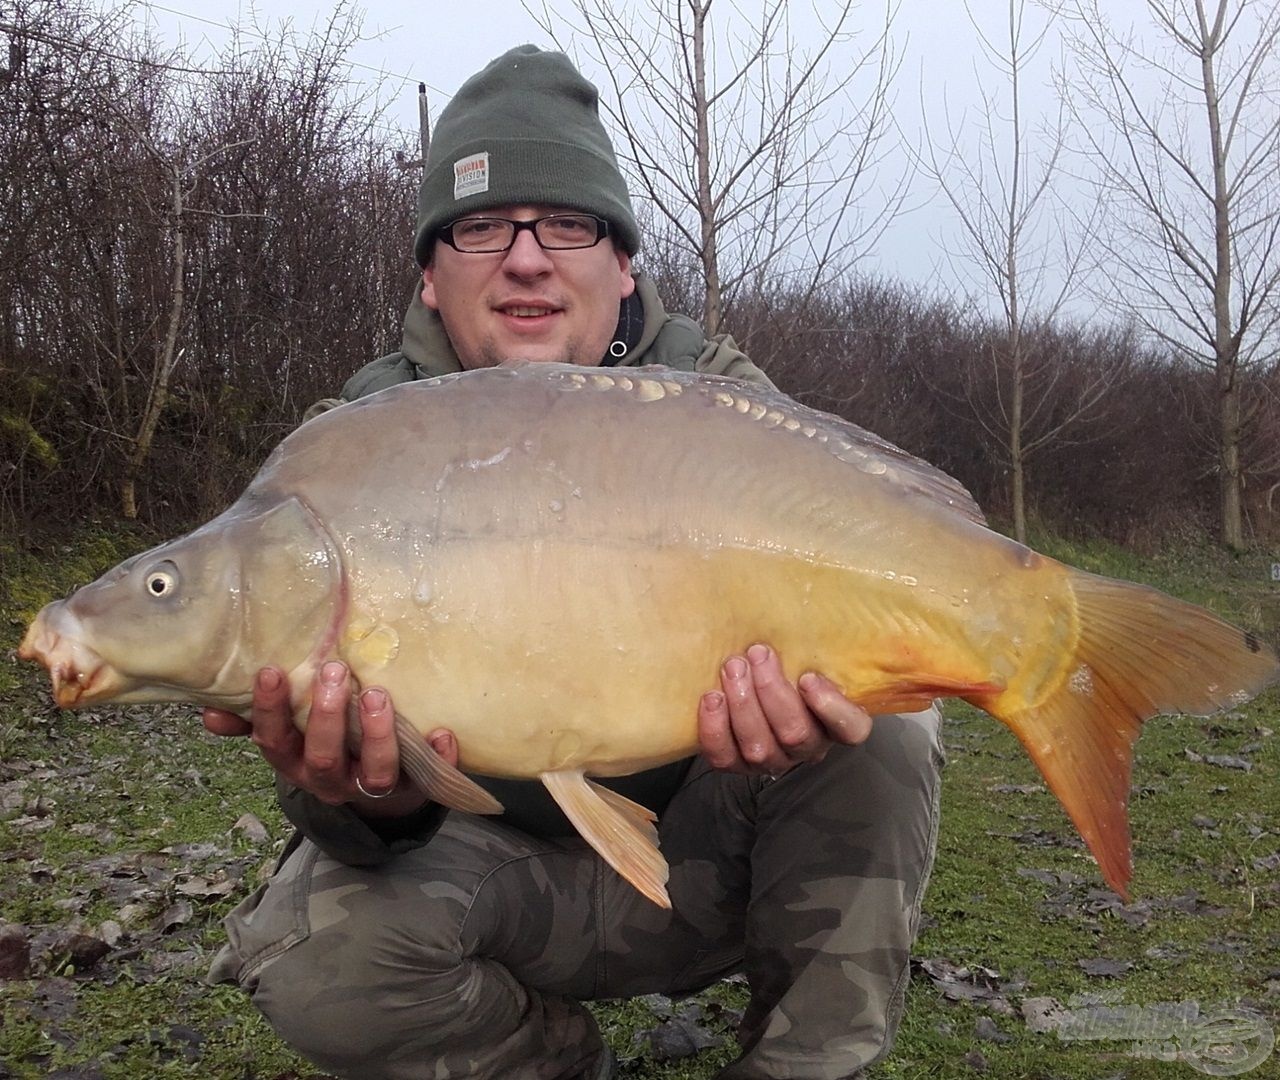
(526, 129)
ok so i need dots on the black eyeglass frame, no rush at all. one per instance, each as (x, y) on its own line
(445, 232)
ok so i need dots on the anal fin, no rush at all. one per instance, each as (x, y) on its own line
(915, 695)
(621, 831)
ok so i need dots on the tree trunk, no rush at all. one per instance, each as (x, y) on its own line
(1229, 466)
(1017, 453)
(1017, 457)
(1225, 346)
(158, 395)
(712, 305)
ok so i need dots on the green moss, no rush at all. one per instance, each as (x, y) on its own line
(23, 439)
(35, 574)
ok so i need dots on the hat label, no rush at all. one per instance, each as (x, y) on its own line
(471, 175)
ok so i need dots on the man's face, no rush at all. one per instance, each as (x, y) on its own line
(527, 303)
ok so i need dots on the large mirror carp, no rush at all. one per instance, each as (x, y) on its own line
(554, 561)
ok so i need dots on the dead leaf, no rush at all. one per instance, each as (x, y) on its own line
(1039, 838)
(680, 1037)
(1222, 761)
(177, 961)
(252, 827)
(1043, 1014)
(1101, 968)
(959, 983)
(54, 999)
(1189, 903)
(13, 795)
(174, 916)
(130, 913)
(203, 889)
(15, 953)
(31, 824)
(194, 852)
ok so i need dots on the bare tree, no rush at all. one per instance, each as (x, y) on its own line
(754, 148)
(1185, 141)
(1003, 182)
(182, 168)
(189, 256)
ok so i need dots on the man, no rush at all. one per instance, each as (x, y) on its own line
(400, 941)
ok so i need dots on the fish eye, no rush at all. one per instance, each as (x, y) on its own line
(161, 582)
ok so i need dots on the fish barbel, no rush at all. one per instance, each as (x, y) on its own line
(553, 562)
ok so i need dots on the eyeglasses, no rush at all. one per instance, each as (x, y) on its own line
(555, 232)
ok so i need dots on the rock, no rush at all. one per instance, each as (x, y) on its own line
(985, 1028)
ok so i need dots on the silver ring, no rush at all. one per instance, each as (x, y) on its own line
(370, 795)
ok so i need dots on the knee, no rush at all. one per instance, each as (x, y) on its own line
(331, 995)
(327, 952)
(908, 748)
(344, 1013)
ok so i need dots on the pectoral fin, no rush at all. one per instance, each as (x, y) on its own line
(621, 831)
(440, 780)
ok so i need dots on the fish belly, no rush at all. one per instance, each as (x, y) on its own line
(550, 655)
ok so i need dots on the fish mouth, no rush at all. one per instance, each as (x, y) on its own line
(78, 674)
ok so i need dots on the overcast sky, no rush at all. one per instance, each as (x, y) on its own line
(442, 42)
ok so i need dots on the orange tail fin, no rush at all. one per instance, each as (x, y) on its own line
(1140, 653)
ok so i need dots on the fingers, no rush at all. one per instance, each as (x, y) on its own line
(442, 741)
(326, 764)
(378, 767)
(842, 720)
(715, 735)
(272, 721)
(798, 735)
(762, 723)
(320, 761)
(218, 722)
(379, 764)
(749, 723)
(736, 727)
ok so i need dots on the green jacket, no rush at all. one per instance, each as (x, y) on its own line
(673, 341)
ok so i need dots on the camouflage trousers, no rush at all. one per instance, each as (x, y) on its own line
(470, 956)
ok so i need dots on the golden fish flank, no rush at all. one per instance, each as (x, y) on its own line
(554, 563)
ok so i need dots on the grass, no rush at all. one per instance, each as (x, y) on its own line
(141, 807)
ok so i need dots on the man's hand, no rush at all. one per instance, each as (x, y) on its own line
(761, 723)
(319, 761)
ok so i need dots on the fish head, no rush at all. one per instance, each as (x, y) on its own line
(193, 619)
